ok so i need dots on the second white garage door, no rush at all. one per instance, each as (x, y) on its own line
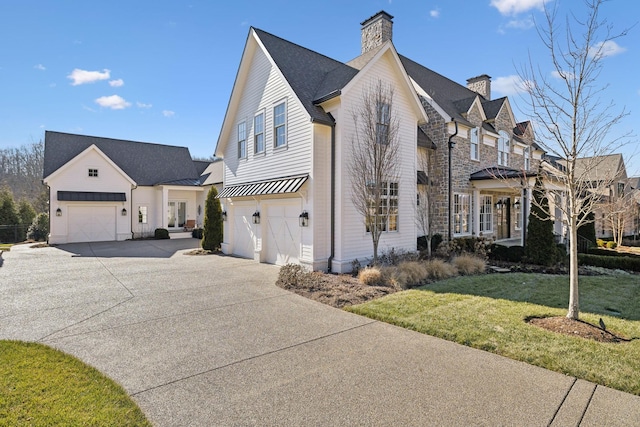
(282, 239)
(92, 223)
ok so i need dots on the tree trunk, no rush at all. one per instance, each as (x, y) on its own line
(574, 300)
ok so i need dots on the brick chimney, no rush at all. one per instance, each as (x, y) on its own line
(376, 30)
(480, 84)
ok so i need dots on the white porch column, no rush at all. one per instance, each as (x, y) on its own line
(476, 213)
(164, 207)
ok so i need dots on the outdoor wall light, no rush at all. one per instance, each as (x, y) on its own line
(58, 212)
(256, 217)
(499, 203)
(304, 219)
(200, 210)
(224, 215)
(516, 204)
(123, 212)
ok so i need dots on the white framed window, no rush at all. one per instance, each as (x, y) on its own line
(280, 125)
(383, 120)
(503, 149)
(93, 173)
(486, 214)
(142, 215)
(526, 153)
(258, 133)
(475, 143)
(461, 213)
(517, 201)
(387, 212)
(242, 140)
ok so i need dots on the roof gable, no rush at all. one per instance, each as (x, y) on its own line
(144, 163)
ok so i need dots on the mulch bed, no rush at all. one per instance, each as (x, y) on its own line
(576, 328)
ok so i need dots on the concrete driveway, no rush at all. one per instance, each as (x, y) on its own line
(209, 340)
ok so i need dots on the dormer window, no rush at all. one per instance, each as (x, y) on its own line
(503, 149)
(93, 173)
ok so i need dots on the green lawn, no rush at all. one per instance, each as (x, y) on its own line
(41, 386)
(488, 312)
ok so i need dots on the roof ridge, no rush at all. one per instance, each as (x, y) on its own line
(117, 139)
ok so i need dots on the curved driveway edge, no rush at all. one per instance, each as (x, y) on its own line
(209, 340)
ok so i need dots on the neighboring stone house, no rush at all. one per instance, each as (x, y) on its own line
(286, 137)
(103, 189)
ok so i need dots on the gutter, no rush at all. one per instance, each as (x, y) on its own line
(333, 194)
(451, 145)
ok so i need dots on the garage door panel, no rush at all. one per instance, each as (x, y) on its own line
(243, 234)
(283, 234)
(92, 223)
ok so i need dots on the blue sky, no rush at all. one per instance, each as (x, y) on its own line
(162, 71)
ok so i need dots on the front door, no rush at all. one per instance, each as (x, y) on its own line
(176, 214)
(503, 212)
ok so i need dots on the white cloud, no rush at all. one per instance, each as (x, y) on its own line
(143, 105)
(168, 113)
(81, 77)
(114, 102)
(435, 13)
(513, 7)
(521, 24)
(604, 49)
(40, 67)
(510, 85)
(562, 74)
(116, 83)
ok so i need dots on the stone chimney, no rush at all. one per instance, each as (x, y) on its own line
(480, 84)
(376, 30)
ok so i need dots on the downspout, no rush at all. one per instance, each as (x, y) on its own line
(333, 194)
(451, 145)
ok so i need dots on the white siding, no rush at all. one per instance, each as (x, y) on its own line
(263, 90)
(352, 241)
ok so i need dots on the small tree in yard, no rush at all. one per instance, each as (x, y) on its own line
(374, 161)
(424, 203)
(8, 214)
(212, 227)
(540, 247)
(572, 122)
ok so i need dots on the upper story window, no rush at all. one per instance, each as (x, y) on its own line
(258, 133)
(93, 173)
(242, 140)
(527, 157)
(383, 119)
(280, 125)
(503, 149)
(621, 189)
(475, 143)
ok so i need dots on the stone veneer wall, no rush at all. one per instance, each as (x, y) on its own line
(375, 33)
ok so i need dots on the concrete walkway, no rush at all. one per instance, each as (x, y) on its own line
(209, 340)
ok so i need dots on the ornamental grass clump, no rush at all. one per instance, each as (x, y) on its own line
(410, 274)
(468, 265)
(438, 269)
(371, 276)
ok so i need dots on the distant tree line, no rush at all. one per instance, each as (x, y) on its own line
(21, 172)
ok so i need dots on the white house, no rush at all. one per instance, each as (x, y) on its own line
(286, 140)
(103, 189)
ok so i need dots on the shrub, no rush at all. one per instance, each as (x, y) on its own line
(371, 276)
(212, 227)
(291, 276)
(601, 243)
(613, 262)
(355, 267)
(608, 252)
(196, 233)
(409, 274)
(540, 246)
(161, 233)
(437, 269)
(395, 257)
(422, 243)
(468, 265)
(39, 228)
(478, 246)
(611, 245)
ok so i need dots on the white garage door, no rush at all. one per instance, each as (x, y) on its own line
(243, 231)
(92, 223)
(282, 240)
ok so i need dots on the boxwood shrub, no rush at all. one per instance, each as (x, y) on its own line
(614, 262)
(161, 233)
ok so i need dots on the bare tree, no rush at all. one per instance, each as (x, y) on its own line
(619, 212)
(572, 121)
(374, 160)
(425, 199)
(21, 170)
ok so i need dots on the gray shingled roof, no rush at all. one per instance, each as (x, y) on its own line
(145, 163)
(312, 76)
(492, 108)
